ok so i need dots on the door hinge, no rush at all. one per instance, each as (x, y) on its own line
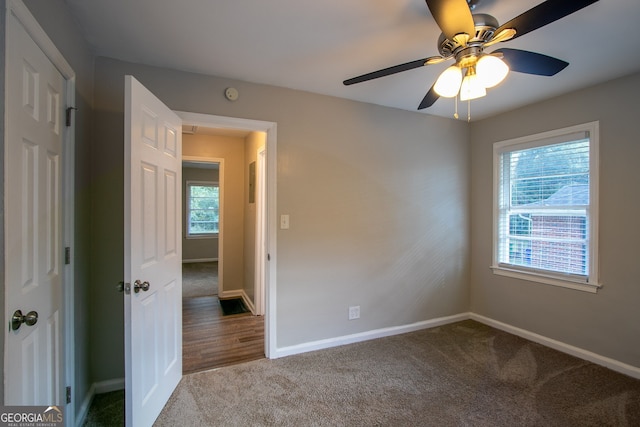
(69, 394)
(67, 255)
(69, 109)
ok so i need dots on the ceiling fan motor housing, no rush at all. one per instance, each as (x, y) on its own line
(485, 26)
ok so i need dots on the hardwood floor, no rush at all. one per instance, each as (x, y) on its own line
(211, 340)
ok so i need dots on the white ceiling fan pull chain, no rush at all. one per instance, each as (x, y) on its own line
(455, 114)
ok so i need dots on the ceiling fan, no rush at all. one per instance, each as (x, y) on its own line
(464, 38)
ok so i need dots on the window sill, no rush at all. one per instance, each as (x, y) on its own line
(546, 279)
(201, 236)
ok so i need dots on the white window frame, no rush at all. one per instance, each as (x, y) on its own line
(187, 208)
(590, 283)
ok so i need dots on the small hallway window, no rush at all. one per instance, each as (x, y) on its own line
(203, 208)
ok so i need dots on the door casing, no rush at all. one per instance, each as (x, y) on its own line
(270, 128)
(261, 257)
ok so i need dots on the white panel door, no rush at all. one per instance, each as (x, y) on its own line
(33, 222)
(153, 254)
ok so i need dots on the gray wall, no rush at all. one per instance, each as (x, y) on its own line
(53, 16)
(606, 323)
(378, 198)
(202, 247)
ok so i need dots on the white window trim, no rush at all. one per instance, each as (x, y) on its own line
(591, 284)
(186, 211)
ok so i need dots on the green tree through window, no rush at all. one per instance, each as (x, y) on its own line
(539, 173)
(203, 208)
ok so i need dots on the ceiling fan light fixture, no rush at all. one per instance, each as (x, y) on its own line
(471, 87)
(491, 70)
(448, 84)
(464, 38)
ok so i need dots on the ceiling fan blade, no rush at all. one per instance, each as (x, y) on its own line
(391, 70)
(452, 16)
(523, 61)
(429, 99)
(543, 14)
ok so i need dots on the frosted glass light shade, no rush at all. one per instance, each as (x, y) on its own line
(491, 70)
(448, 84)
(471, 88)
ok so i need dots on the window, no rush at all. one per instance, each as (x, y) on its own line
(545, 201)
(203, 208)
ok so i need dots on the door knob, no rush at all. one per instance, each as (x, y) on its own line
(124, 287)
(18, 319)
(138, 285)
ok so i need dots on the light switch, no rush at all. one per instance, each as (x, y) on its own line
(284, 222)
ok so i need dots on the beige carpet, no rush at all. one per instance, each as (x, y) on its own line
(199, 279)
(463, 374)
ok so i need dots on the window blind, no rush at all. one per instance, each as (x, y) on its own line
(544, 200)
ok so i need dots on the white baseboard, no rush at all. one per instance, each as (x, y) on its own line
(86, 404)
(365, 336)
(109, 385)
(189, 261)
(234, 293)
(607, 362)
(248, 302)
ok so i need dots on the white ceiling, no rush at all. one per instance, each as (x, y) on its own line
(315, 45)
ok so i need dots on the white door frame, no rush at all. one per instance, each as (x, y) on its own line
(22, 13)
(270, 128)
(261, 257)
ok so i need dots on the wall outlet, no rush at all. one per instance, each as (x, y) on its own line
(354, 312)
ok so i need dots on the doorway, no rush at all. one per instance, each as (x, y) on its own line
(223, 229)
(165, 215)
(270, 210)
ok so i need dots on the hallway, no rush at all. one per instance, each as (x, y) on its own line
(210, 339)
